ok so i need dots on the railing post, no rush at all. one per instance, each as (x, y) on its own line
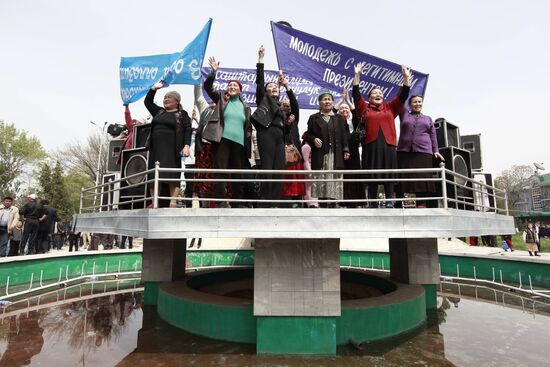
(443, 185)
(156, 186)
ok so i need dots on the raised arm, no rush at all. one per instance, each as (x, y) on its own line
(150, 99)
(260, 78)
(209, 82)
(128, 118)
(200, 101)
(294, 107)
(360, 104)
(397, 103)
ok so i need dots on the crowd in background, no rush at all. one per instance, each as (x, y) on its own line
(36, 228)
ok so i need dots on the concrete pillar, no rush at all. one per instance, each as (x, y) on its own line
(296, 287)
(416, 261)
(163, 261)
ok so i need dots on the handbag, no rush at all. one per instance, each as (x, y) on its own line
(292, 154)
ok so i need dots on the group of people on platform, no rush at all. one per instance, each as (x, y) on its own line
(228, 135)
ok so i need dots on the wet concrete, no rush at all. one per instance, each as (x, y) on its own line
(115, 330)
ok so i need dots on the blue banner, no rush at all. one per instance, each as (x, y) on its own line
(306, 93)
(138, 74)
(328, 66)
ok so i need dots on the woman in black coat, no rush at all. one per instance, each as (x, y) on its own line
(328, 138)
(170, 135)
(270, 121)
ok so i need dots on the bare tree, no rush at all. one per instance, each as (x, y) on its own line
(513, 181)
(83, 156)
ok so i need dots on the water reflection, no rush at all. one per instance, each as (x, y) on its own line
(470, 328)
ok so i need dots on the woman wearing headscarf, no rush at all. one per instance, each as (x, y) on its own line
(229, 131)
(270, 121)
(327, 136)
(379, 117)
(352, 189)
(170, 135)
(416, 149)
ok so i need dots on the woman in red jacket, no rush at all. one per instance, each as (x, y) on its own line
(379, 146)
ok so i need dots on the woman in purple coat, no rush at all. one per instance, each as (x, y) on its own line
(416, 149)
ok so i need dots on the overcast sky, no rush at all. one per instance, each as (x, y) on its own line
(488, 60)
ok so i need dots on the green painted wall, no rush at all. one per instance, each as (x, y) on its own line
(540, 272)
(20, 271)
(430, 290)
(226, 322)
(150, 293)
(362, 324)
(220, 257)
(296, 335)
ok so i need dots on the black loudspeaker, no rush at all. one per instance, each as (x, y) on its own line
(448, 135)
(110, 194)
(458, 160)
(115, 148)
(133, 161)
(472, 143)
(141, 135)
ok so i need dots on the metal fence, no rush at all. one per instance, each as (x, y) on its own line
(453, 190)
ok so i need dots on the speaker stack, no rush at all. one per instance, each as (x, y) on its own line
(115, 148)
(110, 193)
(134, 162)
(472, 143)
(141, 135)
(457, 160)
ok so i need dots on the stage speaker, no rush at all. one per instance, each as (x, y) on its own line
(141, 135)
(115, 147)
(458, 161)
(110, 194)
(472, 143)
(133, 161)
(448, 135)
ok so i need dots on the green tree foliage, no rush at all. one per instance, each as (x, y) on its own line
(17, 149)
(53, 187)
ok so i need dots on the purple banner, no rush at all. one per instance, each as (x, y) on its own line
(328, 66)
(305, 91)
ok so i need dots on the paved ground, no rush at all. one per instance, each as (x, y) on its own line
(446, 247)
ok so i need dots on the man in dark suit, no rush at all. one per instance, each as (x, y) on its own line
(46, 227)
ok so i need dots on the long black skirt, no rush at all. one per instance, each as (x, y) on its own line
(379, 155)
(353, 190)
(416, 160)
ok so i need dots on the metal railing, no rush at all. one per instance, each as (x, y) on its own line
(141, 190)
(40, 285)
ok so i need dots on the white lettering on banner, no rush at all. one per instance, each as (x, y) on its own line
(127, 93)
(349, 63)
(316, 53)
(336, 79)
(138, 73)
(194, 69)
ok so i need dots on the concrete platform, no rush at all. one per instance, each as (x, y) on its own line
(296, 223)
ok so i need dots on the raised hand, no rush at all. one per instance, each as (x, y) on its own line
(345, 94)
(213, 63)
(261, 54)
(282, 80)
(359, 67)
(158, 85)
(407, 75)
